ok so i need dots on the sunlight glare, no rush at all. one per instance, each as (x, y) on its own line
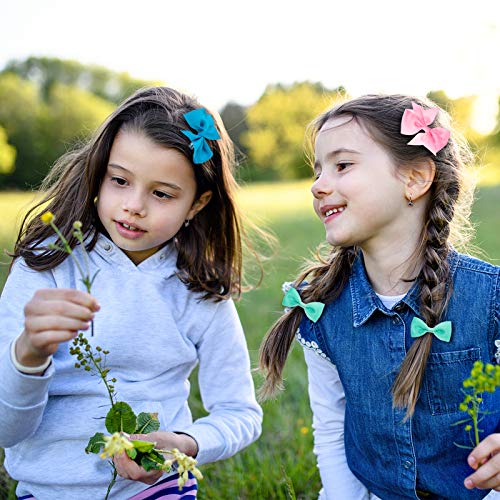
(484, 114)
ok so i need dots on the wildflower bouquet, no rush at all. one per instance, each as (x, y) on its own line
(121, 421)
(483, 378)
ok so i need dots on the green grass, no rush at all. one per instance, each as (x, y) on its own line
(280, 465)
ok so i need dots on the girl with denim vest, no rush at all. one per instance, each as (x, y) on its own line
(154, 193)
(394, 318)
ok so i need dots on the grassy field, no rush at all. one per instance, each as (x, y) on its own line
(281, 464)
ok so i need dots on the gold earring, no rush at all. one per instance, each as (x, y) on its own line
(410, 201)
(186, 222)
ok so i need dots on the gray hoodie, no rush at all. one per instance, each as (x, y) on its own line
(157, 332)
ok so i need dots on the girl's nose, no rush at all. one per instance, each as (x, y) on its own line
(134, 204)
(322, 186)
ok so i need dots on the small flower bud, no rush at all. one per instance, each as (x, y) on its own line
(47, 217)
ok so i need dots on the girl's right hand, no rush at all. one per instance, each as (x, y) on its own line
(53, 316)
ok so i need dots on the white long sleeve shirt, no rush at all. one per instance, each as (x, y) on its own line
(157, 332)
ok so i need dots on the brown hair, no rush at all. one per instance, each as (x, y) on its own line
(209, 250)
(446, 221)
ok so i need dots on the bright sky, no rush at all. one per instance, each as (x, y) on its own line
(222, 50)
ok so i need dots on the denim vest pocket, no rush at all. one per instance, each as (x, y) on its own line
(445, 373)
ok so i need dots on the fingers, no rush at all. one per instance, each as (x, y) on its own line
(128, 469)
(53, 316)
(67, 295)
(485, 459)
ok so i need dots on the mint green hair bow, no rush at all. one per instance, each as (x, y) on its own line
(313, 310)
(203, 123)
(442, 331)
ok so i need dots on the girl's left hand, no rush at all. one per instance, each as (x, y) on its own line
(486, 454)
(164, 440)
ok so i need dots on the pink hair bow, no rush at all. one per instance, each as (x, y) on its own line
(417, 119)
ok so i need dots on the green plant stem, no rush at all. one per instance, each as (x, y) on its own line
(111, 484)
(101, 374)
(474, 421)
(70, 252)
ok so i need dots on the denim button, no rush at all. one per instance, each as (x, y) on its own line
(107, 247)
(399, 307)
(395, 320)
(407, 464)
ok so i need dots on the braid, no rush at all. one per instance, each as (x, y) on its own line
(435, 291)
(328, 280)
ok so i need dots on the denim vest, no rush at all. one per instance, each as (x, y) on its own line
(367, 343)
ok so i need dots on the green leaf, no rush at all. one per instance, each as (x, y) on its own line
(93, 277)
(463, 446)
(96, 442)
(147, 422)
(142, 446)
(465, 420)
(121, 418)
(148, 464)
(151, 460)
(132, 453)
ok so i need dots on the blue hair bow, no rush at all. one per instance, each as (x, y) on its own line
(203, 123)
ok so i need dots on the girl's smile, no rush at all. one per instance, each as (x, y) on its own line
(330, 212)
(128, 230)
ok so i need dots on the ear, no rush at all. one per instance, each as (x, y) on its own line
(418, 178)
(199, 204)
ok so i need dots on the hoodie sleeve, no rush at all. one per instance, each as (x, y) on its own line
(22, 397)
(227, 389)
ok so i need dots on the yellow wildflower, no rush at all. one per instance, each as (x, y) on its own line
(77, 225)
(47, 217)
(304, 430)
(186, 464)
(115, 444)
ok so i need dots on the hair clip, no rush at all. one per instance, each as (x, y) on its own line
(203, 123)
(441, 331)
(497, 354)
(313, 310)
(417, 119)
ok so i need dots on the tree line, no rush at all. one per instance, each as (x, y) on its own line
(49, 105)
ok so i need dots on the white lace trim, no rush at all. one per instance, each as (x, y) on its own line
(313, 346)
(285, 287)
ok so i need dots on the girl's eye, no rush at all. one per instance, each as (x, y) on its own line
(162, 195)
(119, 181)
(343, 165)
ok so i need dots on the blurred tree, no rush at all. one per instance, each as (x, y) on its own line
(276, 124)
(234, 117)
(70, 115)
(7, 154)
(47, 71)
(40, 131)
(19, 116)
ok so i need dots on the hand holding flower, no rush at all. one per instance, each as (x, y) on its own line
(485, 460)
(163, 440)
(53, 316)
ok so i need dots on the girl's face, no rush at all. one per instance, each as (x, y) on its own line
(147, 193)
(357, 193)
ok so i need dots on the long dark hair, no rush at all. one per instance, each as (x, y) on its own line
(209, 250)
(447, 220)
